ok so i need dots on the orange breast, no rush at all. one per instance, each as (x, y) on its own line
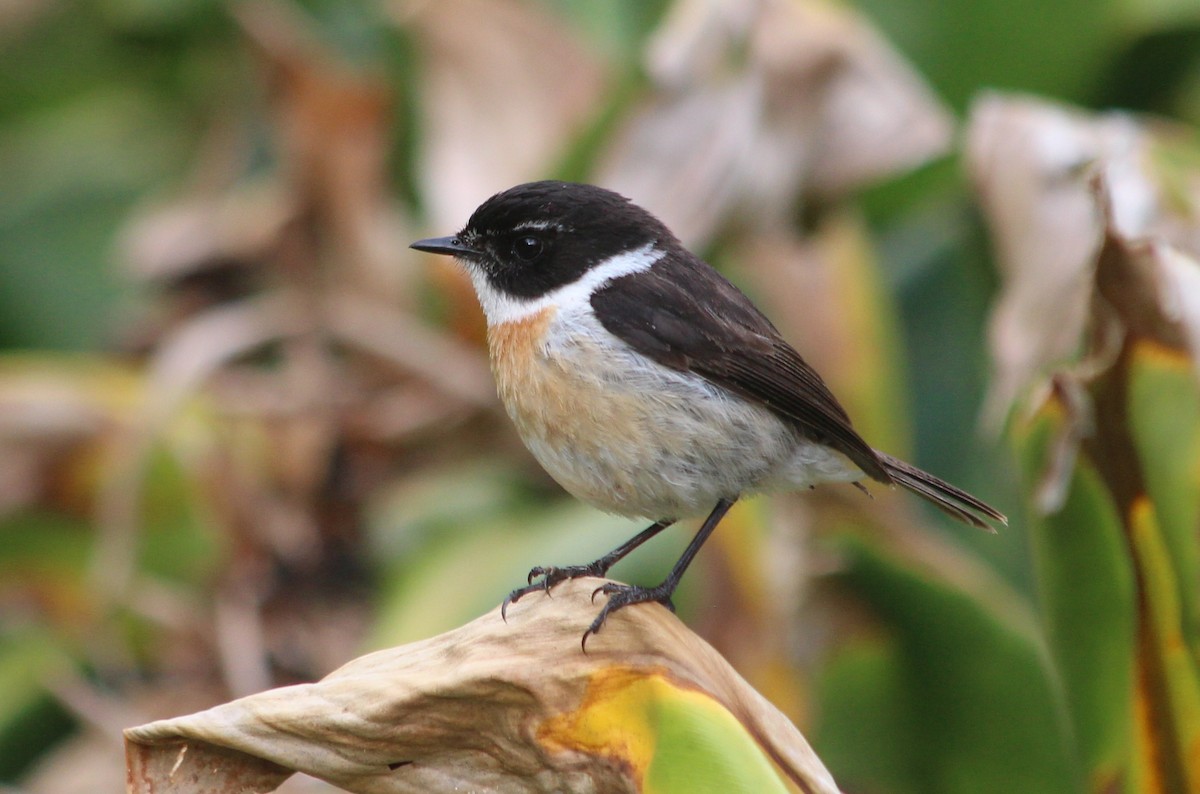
(512, 345)
(518, 361)
(554, 398)
(588, 437)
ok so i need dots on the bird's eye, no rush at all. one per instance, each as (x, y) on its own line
(527, 248)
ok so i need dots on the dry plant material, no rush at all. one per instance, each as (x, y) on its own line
(758, 104)
(1094, 222)
(494, 705)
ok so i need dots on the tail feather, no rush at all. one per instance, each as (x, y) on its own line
(949, 499)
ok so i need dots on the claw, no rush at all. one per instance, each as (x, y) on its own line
(511, 598)
(594, 628)
(621, 596)
(515, 596)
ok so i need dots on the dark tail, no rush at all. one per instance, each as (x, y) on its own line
(941, 494)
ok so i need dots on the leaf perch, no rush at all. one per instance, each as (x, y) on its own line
(496, 706)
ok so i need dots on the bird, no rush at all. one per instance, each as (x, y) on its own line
(647, 384)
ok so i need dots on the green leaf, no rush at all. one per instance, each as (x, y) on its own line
(30, 720)
(977, 703)
(1086, 583)
(1026, 45)
(865, 703)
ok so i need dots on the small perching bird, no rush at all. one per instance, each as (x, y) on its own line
(645, 382)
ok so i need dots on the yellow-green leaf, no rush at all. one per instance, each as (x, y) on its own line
(1164, 418)
(1169, 671)
(673, 737)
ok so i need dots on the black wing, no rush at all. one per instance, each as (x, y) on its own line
(687, 316)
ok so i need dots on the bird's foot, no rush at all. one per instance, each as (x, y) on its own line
(550, 576)
(623, 595)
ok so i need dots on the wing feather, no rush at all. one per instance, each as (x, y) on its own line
(686, 316)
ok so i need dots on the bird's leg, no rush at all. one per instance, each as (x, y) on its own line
(622, 595)
(552, 575)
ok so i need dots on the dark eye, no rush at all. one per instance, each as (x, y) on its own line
(527, 248)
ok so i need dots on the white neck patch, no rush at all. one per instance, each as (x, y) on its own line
(501, 308)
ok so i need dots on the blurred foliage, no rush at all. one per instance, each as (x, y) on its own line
(246, 434)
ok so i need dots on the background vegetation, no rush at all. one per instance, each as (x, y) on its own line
(246, 435)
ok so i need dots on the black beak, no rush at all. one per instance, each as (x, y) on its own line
(451, 246)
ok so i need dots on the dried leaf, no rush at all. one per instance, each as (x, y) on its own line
(190, 767)
(877, 115)
(1079, 209)
(1027, 160)
(494, 705)
(758, 104)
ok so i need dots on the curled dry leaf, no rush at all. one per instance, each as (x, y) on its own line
(1095, 238)
(1060, 188)
(513, 706)
(1029, 162)
(757, 103)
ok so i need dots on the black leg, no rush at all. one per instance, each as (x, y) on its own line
(622, 595)
(552, 575)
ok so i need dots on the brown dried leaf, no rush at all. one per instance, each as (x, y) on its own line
(757, 104)
(1064, 192)
(877, 116)
(191, 767)
(482, 707)
(1029, 161)
(505, 86)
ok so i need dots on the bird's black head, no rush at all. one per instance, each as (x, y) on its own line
(533, 238)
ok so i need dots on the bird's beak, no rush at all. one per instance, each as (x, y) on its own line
(451, 246)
